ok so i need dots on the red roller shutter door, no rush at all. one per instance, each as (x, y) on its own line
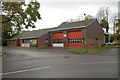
(74, 35)
(57, 35)
(58, 39)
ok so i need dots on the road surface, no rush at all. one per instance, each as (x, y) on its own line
(52, 63)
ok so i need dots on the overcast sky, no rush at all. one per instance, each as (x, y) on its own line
(54, 12)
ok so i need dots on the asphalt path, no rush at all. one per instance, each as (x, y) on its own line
(58, 63)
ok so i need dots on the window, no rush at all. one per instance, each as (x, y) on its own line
(46, 41)
(75, 40)
(58, 41)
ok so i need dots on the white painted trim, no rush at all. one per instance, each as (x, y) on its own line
(20, 71)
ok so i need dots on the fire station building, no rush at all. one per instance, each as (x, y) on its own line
(87, 33)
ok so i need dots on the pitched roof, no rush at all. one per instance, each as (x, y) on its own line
(72, 25)
(32, 34)
(63, 26)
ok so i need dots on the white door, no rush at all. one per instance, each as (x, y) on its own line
(58, 44)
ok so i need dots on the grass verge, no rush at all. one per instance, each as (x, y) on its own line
(96, 49)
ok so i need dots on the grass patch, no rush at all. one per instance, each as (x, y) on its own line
(84, 50)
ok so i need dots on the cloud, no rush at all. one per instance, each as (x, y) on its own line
(54, 13)
(79, 0)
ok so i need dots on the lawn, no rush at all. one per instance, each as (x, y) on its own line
(83, 50)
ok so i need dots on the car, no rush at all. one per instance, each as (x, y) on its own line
(109, 44)
(117, 44)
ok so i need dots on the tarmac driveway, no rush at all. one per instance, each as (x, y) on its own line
(52, 63)
(27, 53)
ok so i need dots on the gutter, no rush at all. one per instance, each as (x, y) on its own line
(68, 28)
(23, 38)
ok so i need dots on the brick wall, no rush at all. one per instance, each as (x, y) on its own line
(12, 43)
(94, 34)
(41, 41)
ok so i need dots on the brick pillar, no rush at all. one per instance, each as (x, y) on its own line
(65, 40)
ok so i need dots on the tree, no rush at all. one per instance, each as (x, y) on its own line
(104, 24)
(80, 18)
(103, 17)
(118, 26)
(6, 29)
(117, 34)
(19, 15)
